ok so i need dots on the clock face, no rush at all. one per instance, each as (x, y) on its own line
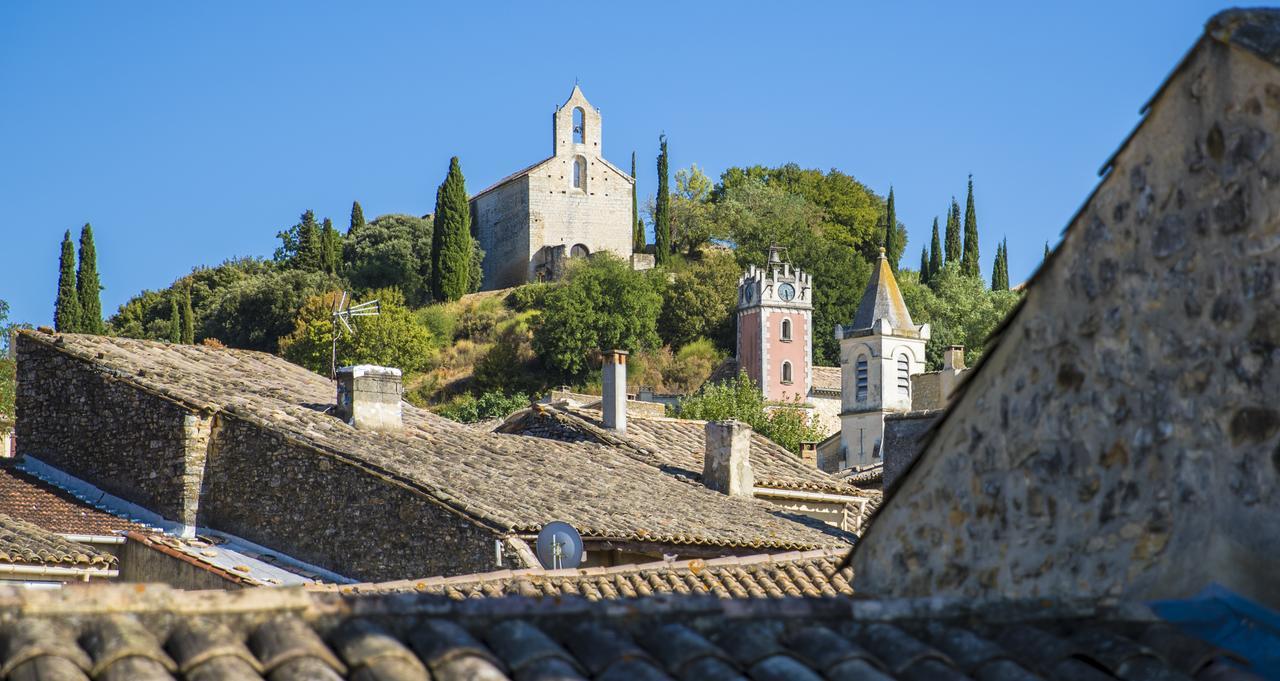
(786, 291)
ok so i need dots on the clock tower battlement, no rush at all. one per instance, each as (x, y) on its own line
(775, 318)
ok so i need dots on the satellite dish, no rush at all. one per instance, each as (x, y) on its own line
(559, 546)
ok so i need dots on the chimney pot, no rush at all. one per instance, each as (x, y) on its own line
(369, 397)
(615, 390)
(726, 463)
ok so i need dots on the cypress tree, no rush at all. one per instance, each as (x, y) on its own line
(662, 214)
(66, 308)
(451, 237)
(969, 261)
(88, 288)
(357, 219)
(188, 318)
(637, 229)
(924, 265)
(310, 243)
(953, 232)
(175, 319)
(331, 248)
(894, 243)
(995, 270)
(935, 253)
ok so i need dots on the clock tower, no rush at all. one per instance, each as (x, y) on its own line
(775, 315)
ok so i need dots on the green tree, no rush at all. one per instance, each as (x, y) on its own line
(492, 404)
(393, 250)
(188, 318)
(393, 338)
(330, 248)
(302, 245)
(88, 288)
(953, 233)
(637, 226)
(969, 261)
(175, 320)
(935, 255)
(357, 219)
(1000, 271)
(8, 372)
(691, 213)
(924, 263)
(959, 308)
(742, 400)
(67, 313)
(475, 277)
(700, 302)
(895, 237)
(601, 304)
(662, 212)
(451, 249)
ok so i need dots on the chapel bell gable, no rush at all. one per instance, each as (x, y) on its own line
(576, 127)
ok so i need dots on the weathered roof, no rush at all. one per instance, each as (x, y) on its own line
(23, 543)
(27, 497)
(882, 300)
(676, 446)
(118, 631)
(779, 575)
(826, 379)
(507, 482)
(904, 438)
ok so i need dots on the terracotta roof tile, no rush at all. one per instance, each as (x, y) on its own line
(22, 543)
(29, 498)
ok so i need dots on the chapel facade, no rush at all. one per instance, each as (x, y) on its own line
(569, 205)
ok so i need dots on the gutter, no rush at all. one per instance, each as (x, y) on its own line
(805, 496)
(94, 538)
(46, 571)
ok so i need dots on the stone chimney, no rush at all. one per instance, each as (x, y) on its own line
(952, 368)
(809, 454)
(614, 400)
(953, 357)
(369, 397)
(726, 464)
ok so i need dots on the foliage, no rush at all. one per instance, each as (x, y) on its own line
(700, 302)
(88, 288)
(330, 248)
(357, 219)
(1000, 269)
(302, 245)
(675, 372)
(511, 364)
(662, 213)
(440, 320)
(601, 304)
(478, 318)
(935, 256)
(637, 227)
(895, 235)
(969, 263)
(257, 311)
(960, 310)
(8, 372)
(741, 399)
(475, 277)
(393, 250)
(66, 307)
(691, 216)
(953, 232)
(393, 338)
(188, 318)
(494, 404)
(529, 296)
(175, 320)
(451, 249)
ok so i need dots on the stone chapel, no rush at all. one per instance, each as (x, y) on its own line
(569, 205)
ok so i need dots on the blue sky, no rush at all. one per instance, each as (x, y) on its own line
(189, 133)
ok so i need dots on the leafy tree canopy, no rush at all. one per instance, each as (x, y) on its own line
(393, 250)
(741, 399)
(700, 302)
(394, 338)
(959, 308)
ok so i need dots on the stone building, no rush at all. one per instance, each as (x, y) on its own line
(247, 444)
(571, 204)
(1121, 435)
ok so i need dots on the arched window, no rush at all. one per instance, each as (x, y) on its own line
(860, 378)
(579, 126)
(580, 173)
(579, 251)
(786, 329)
(904, 375)
(786, 372)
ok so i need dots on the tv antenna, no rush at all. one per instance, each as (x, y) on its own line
(559, 546)
(345, 313)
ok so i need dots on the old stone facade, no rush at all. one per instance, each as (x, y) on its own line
(570, 205)
(1122, 435)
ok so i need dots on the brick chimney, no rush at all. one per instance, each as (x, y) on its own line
(809, 453)
(726, 464)
(614, 400)
(369, 397)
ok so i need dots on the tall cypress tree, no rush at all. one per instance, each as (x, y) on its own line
(969, 261)
(188, 317)
(637, 227)
(66, 308)
(953, 232)
(894, 241)
(88, 288)
(451, 237)
(331, 248)
(357, 219)
(924, 265)
(662, 213)
(310, 243)
(935, 254)
(175, 319)
(995, 270)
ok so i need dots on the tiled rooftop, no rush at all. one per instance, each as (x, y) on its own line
(810, 573)
(515, 483)
(27, 497)
(22, 543)
(137, 633)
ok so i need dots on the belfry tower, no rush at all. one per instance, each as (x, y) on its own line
(775, 315)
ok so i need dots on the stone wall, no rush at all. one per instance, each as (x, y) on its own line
(325, 511)
(1122, 436)
(501, 224)
(142, 564)
(98, 427)
(926, 390)
(598, 217)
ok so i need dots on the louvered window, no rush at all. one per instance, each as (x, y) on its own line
(904, 375)
(860, 373)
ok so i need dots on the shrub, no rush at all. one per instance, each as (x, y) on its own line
(528, 297)
(493, 404)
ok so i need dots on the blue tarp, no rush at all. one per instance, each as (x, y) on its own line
(1229, 621)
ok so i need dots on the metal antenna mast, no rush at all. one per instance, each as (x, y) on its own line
(345, 313)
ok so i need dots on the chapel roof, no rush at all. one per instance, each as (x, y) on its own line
(505, 482)
(153, 632)
(882, 299)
